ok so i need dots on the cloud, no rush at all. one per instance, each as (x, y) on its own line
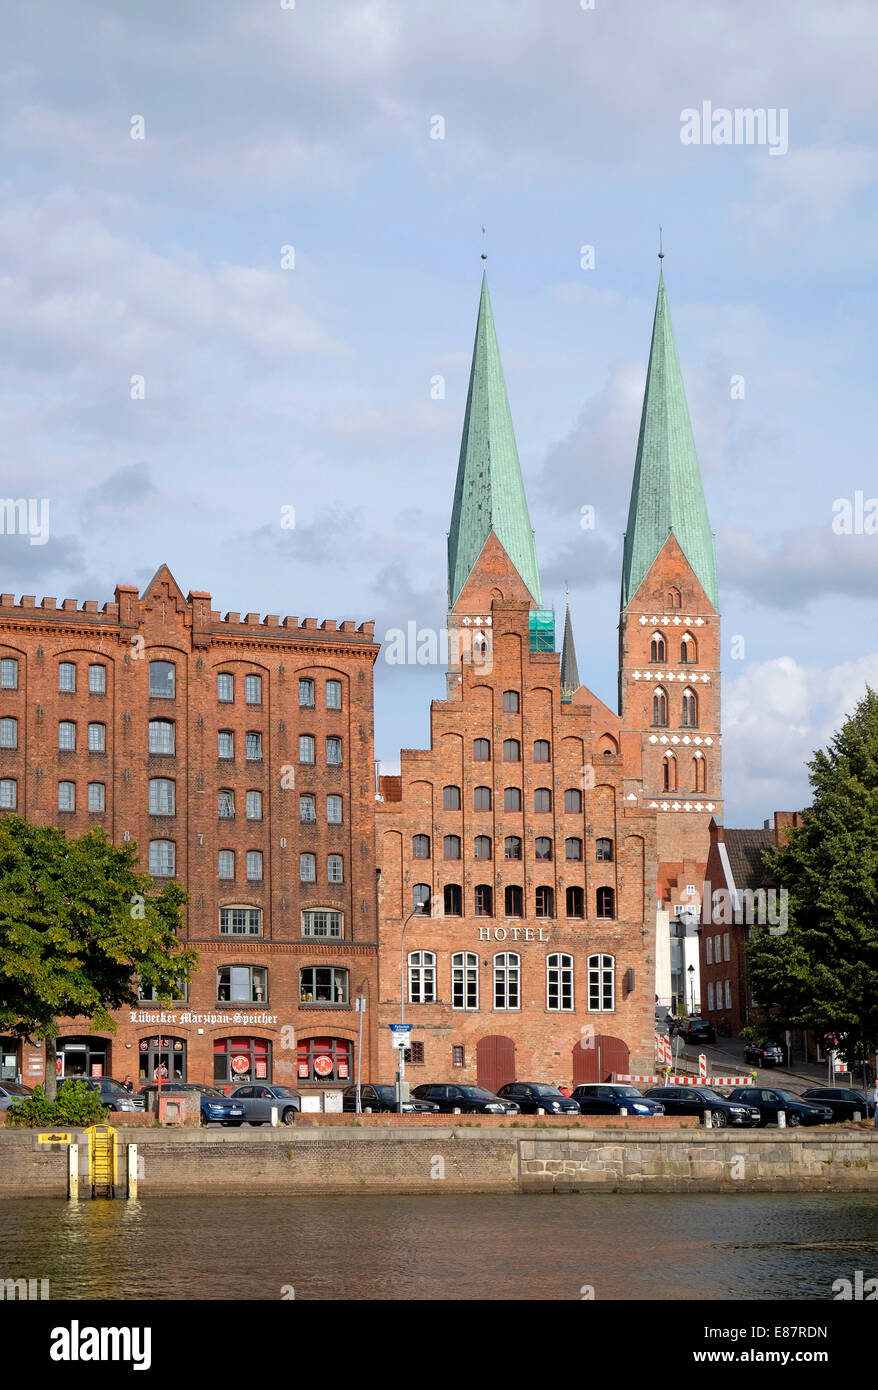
(804, 565)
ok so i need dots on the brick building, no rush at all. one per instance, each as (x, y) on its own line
(534, 871)
(237, 753)
(669, 656)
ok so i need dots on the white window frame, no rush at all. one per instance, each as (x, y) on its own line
(465, 981)
(97, 787)
(422, 977)
(507, 982)
(559, 971)
(601, 983)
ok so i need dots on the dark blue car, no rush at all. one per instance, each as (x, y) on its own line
(606, 1098)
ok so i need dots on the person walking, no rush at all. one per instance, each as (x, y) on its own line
(875, 1100)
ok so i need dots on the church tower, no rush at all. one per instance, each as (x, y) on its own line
(669, 630)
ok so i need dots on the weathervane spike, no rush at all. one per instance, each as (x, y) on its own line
(484, 252)
(661, 255)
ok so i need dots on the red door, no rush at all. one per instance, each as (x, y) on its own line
(599, 1061)
(495, 1062)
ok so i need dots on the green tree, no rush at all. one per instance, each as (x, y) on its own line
(822, 973)
(78, 923)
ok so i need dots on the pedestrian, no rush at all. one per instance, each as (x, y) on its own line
(128, 1084)
(565, 1090)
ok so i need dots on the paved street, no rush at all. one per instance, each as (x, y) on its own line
(725, 1057)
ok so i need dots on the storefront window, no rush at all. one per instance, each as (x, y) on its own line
(241, 1059)
(325, 1059)
(86, 1056)
(165, 1057)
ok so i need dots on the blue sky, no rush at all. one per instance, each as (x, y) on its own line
(310, 387)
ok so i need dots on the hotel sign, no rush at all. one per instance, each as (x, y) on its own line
(513, 933)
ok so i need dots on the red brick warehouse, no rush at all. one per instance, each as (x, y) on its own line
(237, 753)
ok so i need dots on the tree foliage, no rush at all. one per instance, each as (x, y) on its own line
(822, 974)
(75, 1104)
(78, 923)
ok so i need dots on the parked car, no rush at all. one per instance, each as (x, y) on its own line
(12, 1093)
(771, 1101)
(261, 1097)
(842, 1101)
(695, 1100)
(469, 1100)
(764, 1054)
(381, 1099)
(113, 1094)
(531, 1096)
(215, 1107)
(695, 1030)
(604, 1098)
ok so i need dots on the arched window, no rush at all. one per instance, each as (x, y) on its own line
(451, 847)
(658, 647)
(323, 984)
(452, 900)
(161, 680)
(421, 897)
(572, 847)
(422, 977)
(507, 981)
(659, 707)
(324, 1059)
(514, 901)
(161, 796)
(699, 772)
(690, 709)
(464, 980)
(482, 847)
(226, 864)
(161, 736)
(600, 984)
(542, 751)
(420, 846)
(511, 750)
(511, 702)
(573, 799)
(451, 798)
(162, 858)
(225, 803)
(512, 847)
(482, 799)
(669, 773)
(575, 902)
(603, 851)
(606, 902)
(334, 868)
(542, 848)
(482, 750)
(559, 982)
(512, 799)
(673, 598)
(483, 900)
(542, 799)
(307, 868)
(545, 901)
(688, 648)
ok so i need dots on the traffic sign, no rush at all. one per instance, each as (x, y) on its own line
(399, 1034)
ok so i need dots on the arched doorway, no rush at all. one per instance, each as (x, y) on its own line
(495, 1061)
(167, 1054)
(598, 1057)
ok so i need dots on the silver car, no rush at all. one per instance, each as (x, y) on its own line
(260, 1097)
(11, 1092)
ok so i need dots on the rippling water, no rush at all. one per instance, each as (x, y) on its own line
(490, 1247)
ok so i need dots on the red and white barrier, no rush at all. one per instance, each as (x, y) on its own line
(686, 1080)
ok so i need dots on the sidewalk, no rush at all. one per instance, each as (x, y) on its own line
(798, 1077)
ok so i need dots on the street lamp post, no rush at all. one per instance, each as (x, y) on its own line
(691, 974)
(400, 1064)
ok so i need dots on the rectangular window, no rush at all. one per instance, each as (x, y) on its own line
(306, 694)
(97, 738)
(162, 858)
(307, 809)
(254, 806)
(8, 673)
(97, 679)
(333, 694)
(67, 735)
(307, 868)
(66, 796)
(253, 690)
(464, 980)
(161, 736)
(253, 747)
(254, 865)
(415, 1053)
(710, 994)
(97, 796)
(333, 810)
(728, 994)
(240, 921)
(225, 688)
(726, 947)
(335, 868)
(161, 797)
(225, 744)
(67, 676)
(225, 804)
(559, 983)
(708, 950)
(333, 752)
(321, 923)
(458, 1056)
(8, 733)
(226, 864)
(716, 950)
(8, 794)
(306, 748)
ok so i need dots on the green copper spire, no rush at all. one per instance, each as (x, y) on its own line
(489, 493)
(667, 494)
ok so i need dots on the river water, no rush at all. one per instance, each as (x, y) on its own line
(437, 1247)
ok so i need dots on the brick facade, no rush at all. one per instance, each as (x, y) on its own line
(265, 718)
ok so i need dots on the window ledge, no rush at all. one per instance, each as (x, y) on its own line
(319, 1005)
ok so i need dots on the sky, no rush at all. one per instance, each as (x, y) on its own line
(239, 273)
